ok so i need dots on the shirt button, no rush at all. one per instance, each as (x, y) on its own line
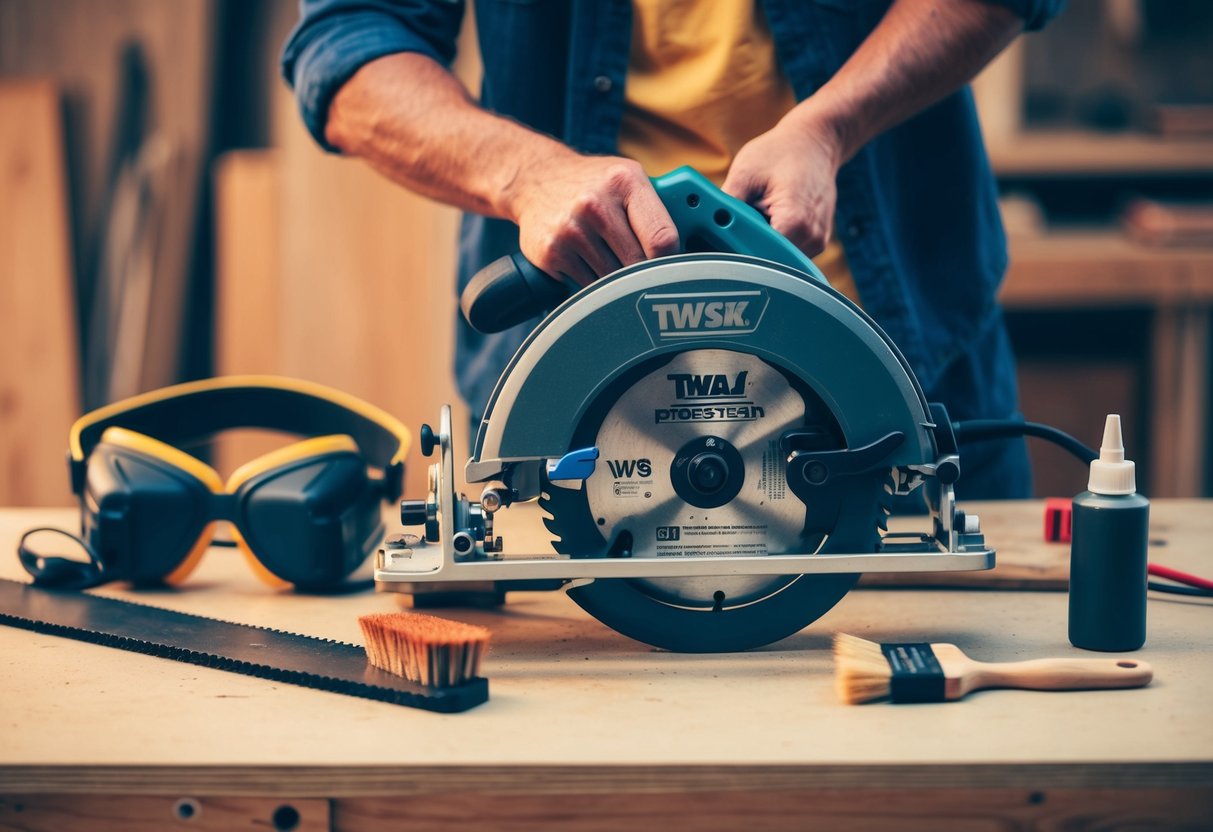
(603, 83)
(854, 230)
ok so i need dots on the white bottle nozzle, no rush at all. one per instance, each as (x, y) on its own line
(1113, 447)
(1112, 473)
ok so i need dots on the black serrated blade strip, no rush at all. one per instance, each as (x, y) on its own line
(295, 659)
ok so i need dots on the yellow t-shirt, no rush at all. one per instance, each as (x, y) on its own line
(702, 81)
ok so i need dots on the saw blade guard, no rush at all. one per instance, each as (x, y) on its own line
(700, 302)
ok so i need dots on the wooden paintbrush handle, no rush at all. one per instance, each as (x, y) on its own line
(1063, 674)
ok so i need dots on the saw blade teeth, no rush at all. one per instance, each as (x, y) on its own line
(567, 518)
(884, 505)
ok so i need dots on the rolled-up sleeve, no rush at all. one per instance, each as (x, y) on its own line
(334, 38)
(1035, 13)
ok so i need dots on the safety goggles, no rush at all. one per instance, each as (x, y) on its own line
(308, 514)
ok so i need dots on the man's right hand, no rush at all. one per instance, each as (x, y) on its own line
(583, 217)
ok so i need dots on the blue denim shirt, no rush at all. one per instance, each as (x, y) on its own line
(916, 211)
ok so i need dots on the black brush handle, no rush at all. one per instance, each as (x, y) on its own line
(510, 291)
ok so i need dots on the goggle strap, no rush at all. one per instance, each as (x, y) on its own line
(201, 409)
(58, 572)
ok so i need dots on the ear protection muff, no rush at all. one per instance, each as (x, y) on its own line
(308, 514)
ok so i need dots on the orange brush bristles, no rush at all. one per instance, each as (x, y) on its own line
(862, 672)
(423, 648)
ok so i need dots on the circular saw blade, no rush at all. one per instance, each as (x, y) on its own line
(724, 398)
(709, 614)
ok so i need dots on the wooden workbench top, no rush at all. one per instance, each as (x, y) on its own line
(575, 705)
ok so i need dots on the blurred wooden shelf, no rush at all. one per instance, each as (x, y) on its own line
(1102, 269)
(1080, 153)
(1099, 268)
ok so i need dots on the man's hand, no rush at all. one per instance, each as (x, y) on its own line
(583, 217)
(921, 51)
(788, 174)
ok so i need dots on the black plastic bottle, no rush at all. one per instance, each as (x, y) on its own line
(1110, 535)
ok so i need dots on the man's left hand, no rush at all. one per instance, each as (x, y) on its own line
(788, 174)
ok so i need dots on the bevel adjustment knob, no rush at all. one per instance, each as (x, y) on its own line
(413, 513)
(428, 440)
(948, 472)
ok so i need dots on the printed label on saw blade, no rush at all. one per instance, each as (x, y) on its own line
(709, 397)
(690, 460)
(633, 477)
(774, 482)
(737, 540)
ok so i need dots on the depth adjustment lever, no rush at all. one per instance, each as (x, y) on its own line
(815, 468)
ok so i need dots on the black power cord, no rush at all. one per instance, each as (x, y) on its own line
(979, 430)
(1180, 590)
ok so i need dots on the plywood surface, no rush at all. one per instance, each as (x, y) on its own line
(576, 707)
(1024, 559)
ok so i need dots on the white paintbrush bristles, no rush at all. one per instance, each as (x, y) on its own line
(425, 649)
(861, 671)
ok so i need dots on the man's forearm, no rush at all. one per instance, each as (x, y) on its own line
(920, 52)
(413, 121)
(579, 217)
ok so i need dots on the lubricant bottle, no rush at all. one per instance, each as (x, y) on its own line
(1108, 553)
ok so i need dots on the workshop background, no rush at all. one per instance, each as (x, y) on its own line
(164, 216)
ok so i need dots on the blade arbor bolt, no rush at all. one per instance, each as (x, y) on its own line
(708, 472)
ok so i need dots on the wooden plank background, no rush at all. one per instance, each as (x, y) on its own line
(39, 396)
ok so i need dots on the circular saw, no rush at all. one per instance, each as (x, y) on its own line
(714, 438)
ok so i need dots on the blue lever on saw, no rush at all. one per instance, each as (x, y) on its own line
(512, 290)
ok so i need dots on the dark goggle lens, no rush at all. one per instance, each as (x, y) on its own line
(309, 524)
(143, 516)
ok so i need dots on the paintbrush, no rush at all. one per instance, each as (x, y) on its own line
(431, 651)
(866, 671)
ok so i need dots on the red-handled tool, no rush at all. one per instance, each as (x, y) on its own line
(1057, 529)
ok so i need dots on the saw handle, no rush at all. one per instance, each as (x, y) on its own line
(511, 290)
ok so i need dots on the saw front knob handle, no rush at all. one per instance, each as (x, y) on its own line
(413, 513)
(509, 291)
